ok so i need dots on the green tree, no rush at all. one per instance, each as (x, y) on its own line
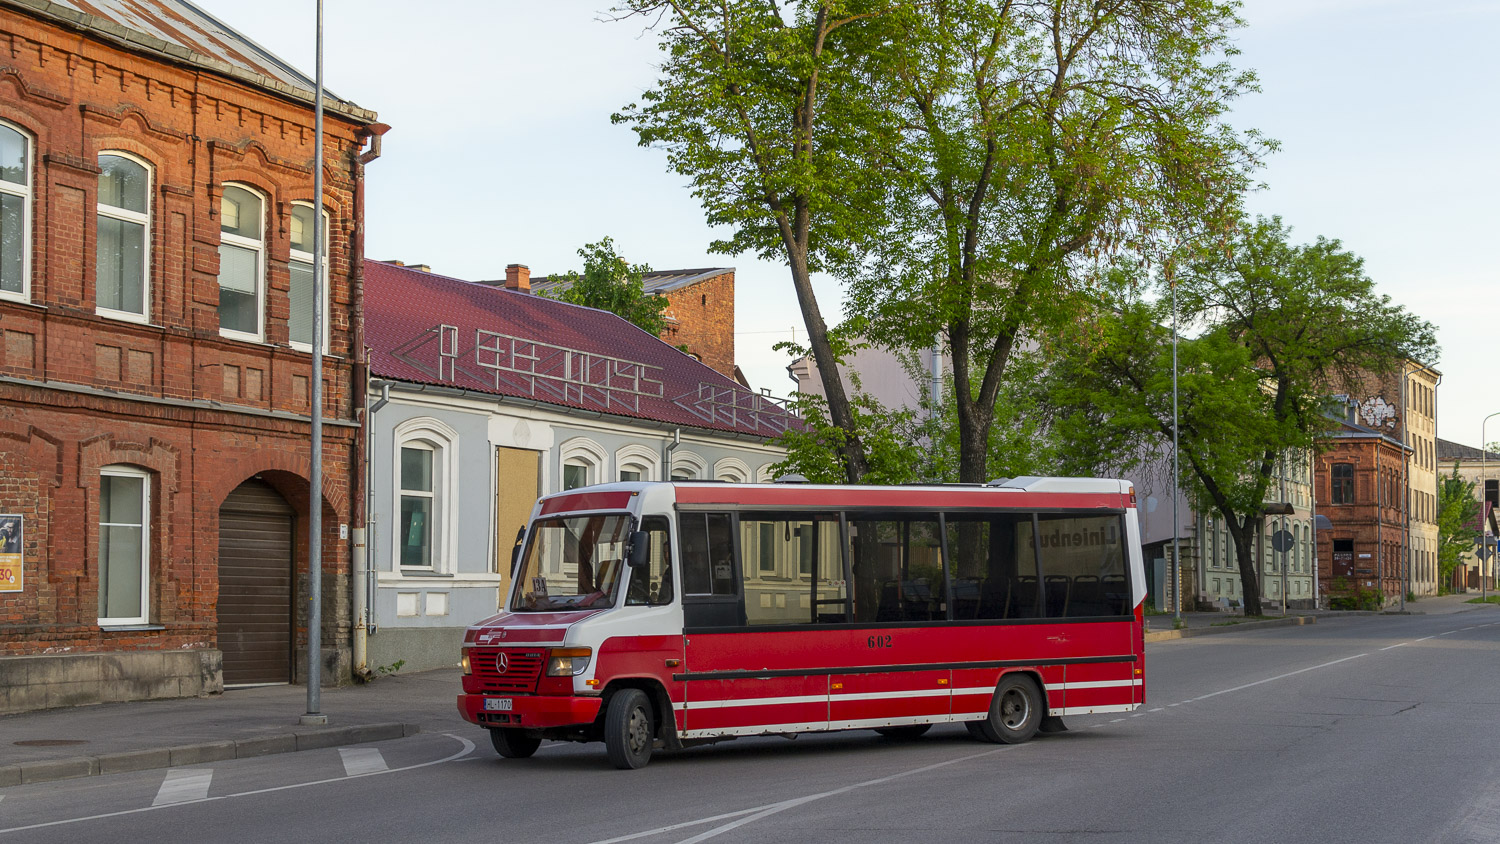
(1457, 523)
(765, 106)
(1276, 329)
(1038, 140)
(611, 283)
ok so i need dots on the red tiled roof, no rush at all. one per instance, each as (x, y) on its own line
(431, 329)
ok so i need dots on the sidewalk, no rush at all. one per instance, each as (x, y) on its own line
(110, 738)
(1161, 627)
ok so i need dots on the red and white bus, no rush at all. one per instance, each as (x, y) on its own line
(660, 615)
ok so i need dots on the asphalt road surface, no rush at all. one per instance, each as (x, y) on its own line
(1369, 729)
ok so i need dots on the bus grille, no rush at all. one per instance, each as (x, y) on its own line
(521, 670)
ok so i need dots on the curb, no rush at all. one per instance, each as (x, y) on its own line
(194, 754)
(1188, 633)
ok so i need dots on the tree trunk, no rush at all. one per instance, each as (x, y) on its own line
(1243, 534)
(840, 412)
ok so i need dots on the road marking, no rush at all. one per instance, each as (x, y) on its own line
(1157, 709)
(1425, 638)
(1400, 645)
(467, 748)
(745, 816)
(1272, 679)
(362, 760)
(184, 785)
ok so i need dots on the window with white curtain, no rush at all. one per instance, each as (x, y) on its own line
(300, 322)
(124, 545)
(15, 213)
(242, 262)
(122, 269)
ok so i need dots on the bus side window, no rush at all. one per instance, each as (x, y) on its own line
(1083, 566)
(992, 561)
(710, 582)
(651, 584)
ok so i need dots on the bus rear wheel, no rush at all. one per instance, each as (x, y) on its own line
(1016, 711)
(513, 744)
(628, 729)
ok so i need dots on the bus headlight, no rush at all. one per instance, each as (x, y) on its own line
(567, 662)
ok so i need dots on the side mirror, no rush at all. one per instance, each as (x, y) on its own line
(640, 548)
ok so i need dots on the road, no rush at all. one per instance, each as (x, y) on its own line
(1368, 729)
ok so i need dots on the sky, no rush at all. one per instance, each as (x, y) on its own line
(502, 152)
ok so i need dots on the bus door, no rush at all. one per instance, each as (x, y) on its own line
(900, 600)
(749, 603)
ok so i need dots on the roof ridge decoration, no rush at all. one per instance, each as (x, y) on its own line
(553, 373)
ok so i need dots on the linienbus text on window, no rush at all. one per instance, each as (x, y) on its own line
(124, 545)
(15, 214)
(122, 274)
(242, 262)
(300, 322)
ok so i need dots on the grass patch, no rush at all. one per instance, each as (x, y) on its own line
(1244, 619)
(1493, 599)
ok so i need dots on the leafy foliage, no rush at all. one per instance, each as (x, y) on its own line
(765, 106)
(1457, 523)
(1036, 142)
(610, 283)
(1279, 327)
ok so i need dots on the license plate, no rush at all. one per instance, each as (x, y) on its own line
(497, 704)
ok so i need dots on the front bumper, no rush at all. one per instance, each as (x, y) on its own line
(530, 712)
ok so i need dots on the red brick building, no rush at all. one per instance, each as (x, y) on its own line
(700, 312)
(156, 207)
(1361, 481)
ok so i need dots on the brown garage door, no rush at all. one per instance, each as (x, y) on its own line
(255, 585)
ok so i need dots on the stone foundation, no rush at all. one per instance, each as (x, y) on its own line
(45, 682)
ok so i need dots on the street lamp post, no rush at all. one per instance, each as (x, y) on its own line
(315, 471)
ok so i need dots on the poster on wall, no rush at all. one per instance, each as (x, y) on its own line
(12, 534)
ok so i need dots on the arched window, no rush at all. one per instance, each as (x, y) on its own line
(687, 466)
(15, 214)
(124, 545)
(765, 474)
(732, 469)
(122, 269)
(242, 264)
(426, 487)
(636, 463)
(300, 322)
(582, 463)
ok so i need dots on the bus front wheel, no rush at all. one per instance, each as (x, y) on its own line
(628, 729)
(1016, 711)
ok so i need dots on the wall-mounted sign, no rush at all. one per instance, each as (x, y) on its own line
(12, 538)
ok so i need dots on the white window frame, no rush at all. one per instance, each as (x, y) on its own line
(732, 470)
(582, 451)
(638, 458)
(437, 436)
(145, 525)
(26, 193)
(687, 463)
(259, 248)
(298, 256)
(144, 220)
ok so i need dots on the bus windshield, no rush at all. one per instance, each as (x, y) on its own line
(575, 562)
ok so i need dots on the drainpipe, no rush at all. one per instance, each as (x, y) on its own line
(666, 454)
(359, 557)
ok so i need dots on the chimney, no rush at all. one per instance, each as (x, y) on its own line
(518, 277)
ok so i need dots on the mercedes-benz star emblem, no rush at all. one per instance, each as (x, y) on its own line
(502, 662)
